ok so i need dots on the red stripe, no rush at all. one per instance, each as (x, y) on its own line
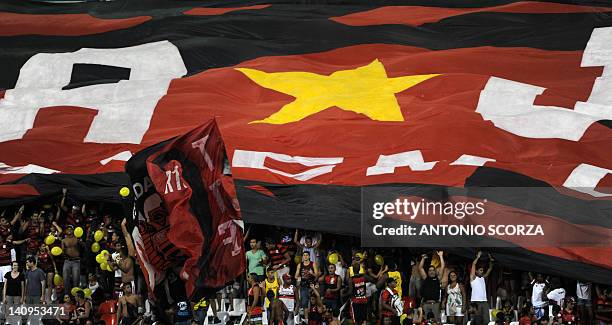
(260, 189)
(10, 191)
(220, 11)
(417, 15)
(12, 24)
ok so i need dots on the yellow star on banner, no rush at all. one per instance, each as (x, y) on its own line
(366, 90)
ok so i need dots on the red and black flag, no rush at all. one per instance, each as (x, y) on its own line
(186, 211)
(315, 103)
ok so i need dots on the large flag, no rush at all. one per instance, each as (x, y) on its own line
(186, 211)
(314, 103)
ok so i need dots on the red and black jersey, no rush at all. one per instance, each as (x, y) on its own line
(5, 253)
(331, 282)
(359, 290)
(277, 254)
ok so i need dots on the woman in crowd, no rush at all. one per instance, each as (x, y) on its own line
(14, 286)
(454, 301)
(65, 317)
(47, 264)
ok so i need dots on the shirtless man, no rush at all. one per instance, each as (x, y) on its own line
(72, 263)
(126, 265)
(127, 309)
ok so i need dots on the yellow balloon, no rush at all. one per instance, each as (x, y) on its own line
(100, 258)
(95, 247)
(49, 240)
(379, 260)
(98, 235)
(297, 259)
(360, 256)
(109, 268)
(332, 258)
(104, 253)
(124, 192)
(87, 292)
(56, 251)
(104, 266)
(75, 290)
(78, 232)
(57, 279)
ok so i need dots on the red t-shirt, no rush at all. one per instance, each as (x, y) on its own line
(385, 296)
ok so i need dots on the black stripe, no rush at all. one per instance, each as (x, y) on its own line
(219, 41)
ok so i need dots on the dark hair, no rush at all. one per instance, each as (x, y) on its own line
(307, 238)
(31, 259)
(80, 294)
(306, 252)
(270, 295)
(389, 280)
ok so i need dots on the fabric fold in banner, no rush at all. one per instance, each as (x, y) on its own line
(186, 211)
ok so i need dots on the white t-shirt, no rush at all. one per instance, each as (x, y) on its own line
(583, 290)
(479, 289)
(536, 294)
(557, 295)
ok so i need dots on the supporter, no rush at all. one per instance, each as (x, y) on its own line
(341, 266)
(83, 310)
(332, 284)
(277, 311)
(125, 264)
(568, 314)
(538, 296)
(279, 257)
(357, 292)
(35, 282)
(127, 306)
(47, 264)
(431, 286)
(389, 313)
(585, 304)
(315, 312)
(97, 293)
(256, 259)
(398, 276)
(479, 286)
(309, 244)
(454, 301)
(271, 284)
(306, 274)
(255, 301)
(14, 286)
(6, 225)
(287, 293)
(72, 261)
(33, 229)
(65, 317)
(7, 255)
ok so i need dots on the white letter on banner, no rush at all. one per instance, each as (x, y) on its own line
(124, 108)
(509, 104)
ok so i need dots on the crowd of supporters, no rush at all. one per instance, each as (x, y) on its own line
(81, 257)
(313, 279)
